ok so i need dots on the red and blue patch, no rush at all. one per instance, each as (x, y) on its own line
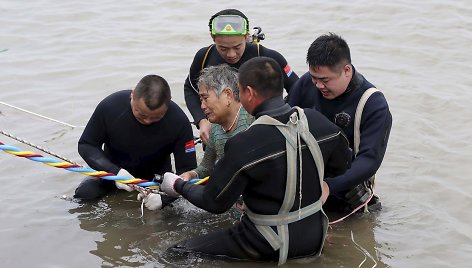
(190, 146)
(288, 70)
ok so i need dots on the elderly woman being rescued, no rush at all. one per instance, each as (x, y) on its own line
(219, 95)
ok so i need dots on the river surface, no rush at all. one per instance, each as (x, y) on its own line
(58, 59)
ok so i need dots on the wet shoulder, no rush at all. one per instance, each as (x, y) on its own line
(274, 54)
(202, 51)
(116, 99)
(320, 126)
(376, 101)
(176, 114)
(199, 59)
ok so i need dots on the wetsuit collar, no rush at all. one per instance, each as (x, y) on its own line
(356, 81)
(272, 107)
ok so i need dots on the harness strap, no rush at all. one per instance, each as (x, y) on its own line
(273, 220)
(206, 56)
(358, 117)
(280, 240)
(295, 128)
(357, 137)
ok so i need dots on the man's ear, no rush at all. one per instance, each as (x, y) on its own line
(252, 92)
(348, 70)
(254, 100)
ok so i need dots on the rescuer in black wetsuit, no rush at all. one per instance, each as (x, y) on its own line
(255, 166)
(335, 88)
(229, 30)
(133, 133)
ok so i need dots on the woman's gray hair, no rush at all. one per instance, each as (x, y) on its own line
(220, 77)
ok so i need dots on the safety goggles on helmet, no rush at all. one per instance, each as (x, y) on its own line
(229, 25)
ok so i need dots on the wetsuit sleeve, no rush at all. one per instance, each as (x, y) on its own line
(209, 158)
(375, 130)
(290, 77)
(224, 187)
(340, 159)
(184, 148)
(92, 140)
(192, 99)
(303, 93)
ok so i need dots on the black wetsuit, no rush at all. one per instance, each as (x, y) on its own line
(255, 166)
(191, 89)
(143, 150)
(374, 129)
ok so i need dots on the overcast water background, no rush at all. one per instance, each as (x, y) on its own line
(60, 58)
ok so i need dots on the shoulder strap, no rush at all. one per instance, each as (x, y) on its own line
(206, 56)
(358, 116)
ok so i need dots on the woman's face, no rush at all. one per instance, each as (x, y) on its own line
(216, 108)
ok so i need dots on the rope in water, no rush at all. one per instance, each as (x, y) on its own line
(38, 115)
(363, 205)
(35, 146)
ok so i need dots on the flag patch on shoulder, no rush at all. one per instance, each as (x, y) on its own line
(189, 146)
(288, 71)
